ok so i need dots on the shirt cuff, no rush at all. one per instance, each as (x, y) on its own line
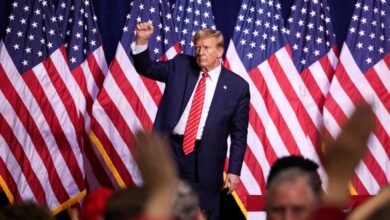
(137, 49)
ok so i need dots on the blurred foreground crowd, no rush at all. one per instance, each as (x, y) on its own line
(294, 188)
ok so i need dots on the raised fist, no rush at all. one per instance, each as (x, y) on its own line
(143, 31)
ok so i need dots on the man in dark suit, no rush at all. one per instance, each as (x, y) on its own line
(203, 103)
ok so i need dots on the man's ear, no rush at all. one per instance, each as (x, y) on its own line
(220, 51)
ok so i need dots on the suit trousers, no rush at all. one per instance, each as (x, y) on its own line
(187, 166)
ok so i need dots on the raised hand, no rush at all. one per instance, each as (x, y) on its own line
(143, 32)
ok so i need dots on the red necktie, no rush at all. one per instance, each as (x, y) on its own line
(194, 116)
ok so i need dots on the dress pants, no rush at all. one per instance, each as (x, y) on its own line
(187, 166)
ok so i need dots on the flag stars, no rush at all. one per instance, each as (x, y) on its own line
(23, 21)
(250, 55)
(49, 45)
(316, 53)
(253, 44)
(93, 43)
(39, 53)
(141, 7)
(243, 42)
(75, 48)
(295, 47)
(370, 48)
(31, 37)
(11, 17)
(51, 32)
(20, 34)
(156, 51)
(152, 10)
(359, 45)
(16, 46)
(25, 62)
(8, 30)
(28, 50)
(319, 40)
(368, 60)
(305, 49)
(73, 60)
(26, 8)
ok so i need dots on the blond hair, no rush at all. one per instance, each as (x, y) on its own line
(207, 33)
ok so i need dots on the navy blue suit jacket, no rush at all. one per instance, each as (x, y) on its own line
(228, 114)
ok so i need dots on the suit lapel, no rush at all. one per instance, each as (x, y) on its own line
(192, 78)
(217, 101)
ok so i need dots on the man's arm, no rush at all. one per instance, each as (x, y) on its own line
(238, 137)
(143, 64)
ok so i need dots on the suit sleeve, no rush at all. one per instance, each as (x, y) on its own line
(159, 71)
(239, 131)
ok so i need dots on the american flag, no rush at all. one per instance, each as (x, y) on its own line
(190, 16)
(314, 53)
(128, 101)
(40, 125)
(79, 29)
(284, 115)
(363, 75)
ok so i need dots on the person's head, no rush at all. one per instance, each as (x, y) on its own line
(290, 196)
(94, 204)
(126, 203)
(209, 47)
(186, 204)
(22, 211)
(293, 161)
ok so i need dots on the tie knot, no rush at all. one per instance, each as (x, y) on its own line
(205, 74)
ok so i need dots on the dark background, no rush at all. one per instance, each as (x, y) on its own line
(111, 18)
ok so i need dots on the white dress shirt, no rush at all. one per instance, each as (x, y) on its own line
(211, 84)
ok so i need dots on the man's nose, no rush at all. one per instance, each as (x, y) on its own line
(289, 215)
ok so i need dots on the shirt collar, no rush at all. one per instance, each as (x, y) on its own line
(214, 73)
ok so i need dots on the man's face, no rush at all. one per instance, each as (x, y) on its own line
(290, 201)
(208, 53)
